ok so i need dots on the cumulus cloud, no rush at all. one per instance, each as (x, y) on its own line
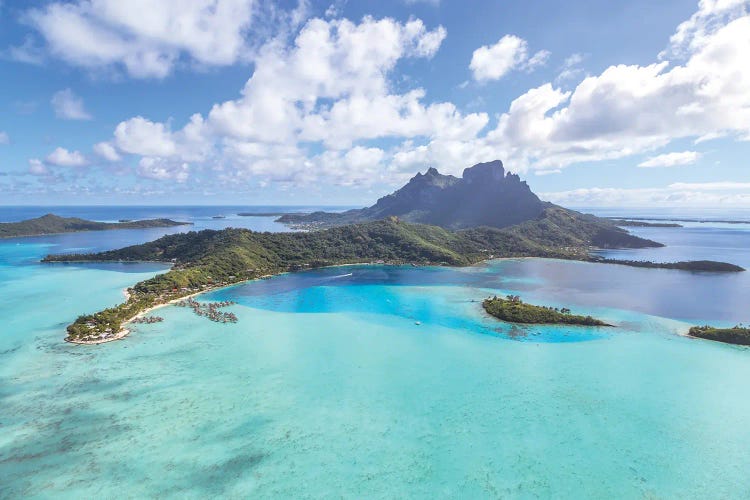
(492, 62)
(712, 194)
(69, 106)
(64, 158)
(630, 109)
(324, 100)
(694, 33)
(671, 159)
(4, 139)
(341, 62)
(107, 151)
(144, 137)
(145, 38)
(332, 87)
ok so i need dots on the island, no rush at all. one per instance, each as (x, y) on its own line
(210, 259)
(262, 214)
(641, 223)
(710, 266)
(738, 335)
(680, 219)
(513, 310)
(54, 224)
(445, 221)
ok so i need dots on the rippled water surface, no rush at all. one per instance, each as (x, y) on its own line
(380, 381)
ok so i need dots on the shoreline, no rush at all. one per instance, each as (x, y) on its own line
(124, 332)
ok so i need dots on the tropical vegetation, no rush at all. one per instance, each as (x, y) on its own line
(513, 310)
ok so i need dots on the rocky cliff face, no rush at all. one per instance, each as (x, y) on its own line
(485, 195)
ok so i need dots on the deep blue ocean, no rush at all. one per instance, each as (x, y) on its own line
(377, 381)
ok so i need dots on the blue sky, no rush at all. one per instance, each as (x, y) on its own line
(635, 103)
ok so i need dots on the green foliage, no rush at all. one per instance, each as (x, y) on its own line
(514, 310)
(737, 335)
(207, 259)
(560, 227)
(692, 265)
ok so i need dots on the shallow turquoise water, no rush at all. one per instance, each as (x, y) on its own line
(327, 386)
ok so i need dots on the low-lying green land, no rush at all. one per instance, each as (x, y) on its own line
(737, 335)
(53, 224)
(640, 223)
(711, 266)
(513, 310)
(208, 259)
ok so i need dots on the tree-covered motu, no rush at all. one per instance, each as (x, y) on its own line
(512, 309)
(738, 334)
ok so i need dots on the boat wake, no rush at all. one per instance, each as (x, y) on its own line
(341, 276)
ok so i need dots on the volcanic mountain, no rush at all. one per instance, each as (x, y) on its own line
(484, 196)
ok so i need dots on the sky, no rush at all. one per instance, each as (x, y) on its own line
(253, 102)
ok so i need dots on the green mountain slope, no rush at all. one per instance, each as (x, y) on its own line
(485, 195)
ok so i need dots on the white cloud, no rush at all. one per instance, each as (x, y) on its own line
(161, 169)
(716, 194)
(145, 38)
(492, 62)
(339, 61)
(331, 86)
(37, 167)
(692, 35)
(64, 158)
(144, 137)
(107, 151)
(632, 109)
(313, 100)
(548, 172)
(537, 60)
(671, 159)
(69, 106)
(571, 68)
(4, 139)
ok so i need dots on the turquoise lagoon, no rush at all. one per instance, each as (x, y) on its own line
(377, 381)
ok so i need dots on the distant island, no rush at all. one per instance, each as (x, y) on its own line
(262, 214)
(507, 220)
(53, 224)
(678, 219)
(640, 223)
(513, 310)
(711, 266)
(738, 335)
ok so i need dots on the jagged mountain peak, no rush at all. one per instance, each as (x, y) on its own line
(485, 195)
(491, 171)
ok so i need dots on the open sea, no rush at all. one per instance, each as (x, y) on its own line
(377, 381)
